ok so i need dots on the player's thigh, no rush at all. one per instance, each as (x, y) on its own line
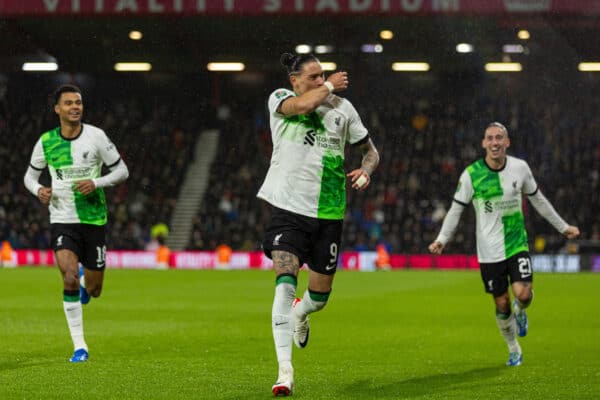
(520, 270)
(287, 240)
(325, 249)
(94, 249)
(67, 245)
(521, 276)
(494, 277)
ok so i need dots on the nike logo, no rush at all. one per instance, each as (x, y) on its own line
(330, 267)
(100, 265)
(280, 323)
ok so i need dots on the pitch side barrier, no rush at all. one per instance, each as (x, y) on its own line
(352, 261)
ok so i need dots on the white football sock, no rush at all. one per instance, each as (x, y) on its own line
(282, 322)
(508, 328)
(308, 305)
(74, 314)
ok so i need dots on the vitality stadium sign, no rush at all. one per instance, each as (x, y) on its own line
(293, 7)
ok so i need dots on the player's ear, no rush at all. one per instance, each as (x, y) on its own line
(56, 108)
(507, 142)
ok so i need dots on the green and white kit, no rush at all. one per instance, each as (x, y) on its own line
(72, 160)
(306, 175)
(497, 199)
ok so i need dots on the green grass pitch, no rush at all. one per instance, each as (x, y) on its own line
(384, 335)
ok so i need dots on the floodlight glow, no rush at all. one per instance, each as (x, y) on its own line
(513, 48)
(464, 48)
(133, 67)
(410, 66)
(225, 66)
(328, 66)
(523, 34)
(323, 48)
(589, 67)
(386, 34)
(303, 49)
(371, 48)
(503, 67)
(135, 35)
(40, 66)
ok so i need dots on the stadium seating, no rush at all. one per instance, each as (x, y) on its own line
(425, 141)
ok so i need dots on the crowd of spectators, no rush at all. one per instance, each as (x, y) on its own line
(425, 141)
(153, 134)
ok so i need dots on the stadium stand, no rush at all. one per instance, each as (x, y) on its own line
(426, 139)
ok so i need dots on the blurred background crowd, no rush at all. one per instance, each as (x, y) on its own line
(426, 136)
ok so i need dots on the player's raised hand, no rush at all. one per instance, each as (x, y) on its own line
(44, 194)
(436, 247)
(571, 232)
(339, 80)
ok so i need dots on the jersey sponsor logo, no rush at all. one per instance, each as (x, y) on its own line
(310, 138)
(74, 173)
(488, 206)
(276, 240)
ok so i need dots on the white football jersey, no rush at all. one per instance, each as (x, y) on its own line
(497, 198)
(306, 175)
(71, 160)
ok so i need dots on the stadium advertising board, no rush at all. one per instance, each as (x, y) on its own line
(352, 261)
(293, 7)
(595, 267)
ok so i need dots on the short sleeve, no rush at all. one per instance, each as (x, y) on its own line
(356, 129)
(38, 160)
(464, 189)
(276, 98)
(107, 150)
(529, 184)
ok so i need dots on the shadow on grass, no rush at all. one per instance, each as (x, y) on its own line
(432, 385)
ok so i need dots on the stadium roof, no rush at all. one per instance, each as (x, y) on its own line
(176, 44)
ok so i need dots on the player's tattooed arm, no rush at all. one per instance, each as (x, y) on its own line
(370, 159)
(285, 263)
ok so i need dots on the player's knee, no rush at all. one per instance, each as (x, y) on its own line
(71, 281)
(525, 297)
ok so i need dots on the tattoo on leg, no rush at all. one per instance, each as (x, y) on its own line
(285, 263)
